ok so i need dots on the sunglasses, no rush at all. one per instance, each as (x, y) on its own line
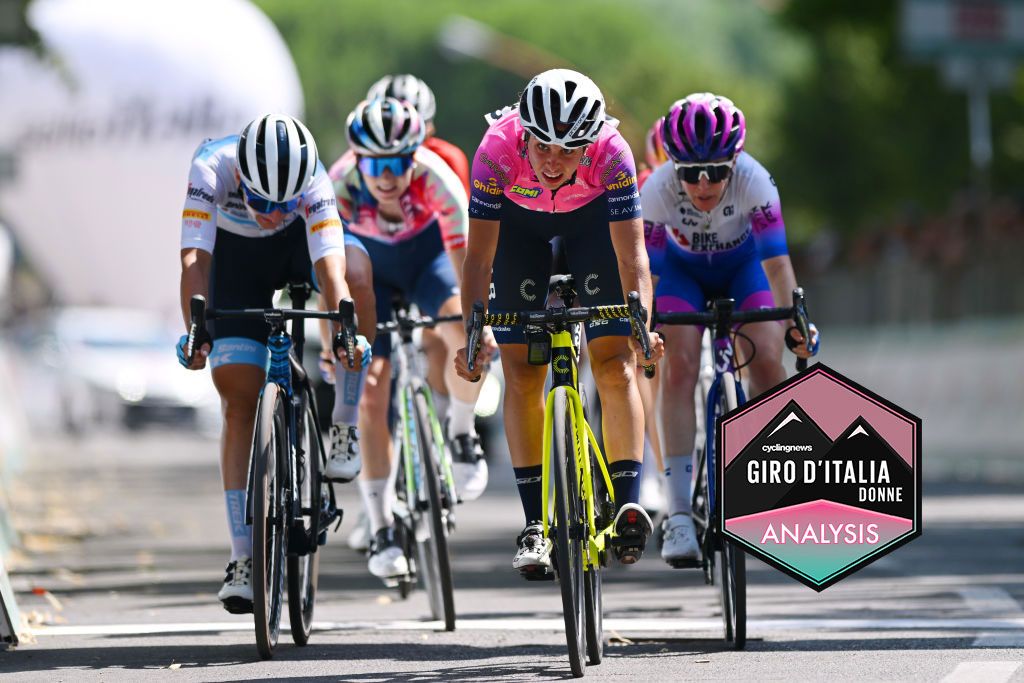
(262, 205)
(375, 166)
(715, 173)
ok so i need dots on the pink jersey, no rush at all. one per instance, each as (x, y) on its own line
(501, 171)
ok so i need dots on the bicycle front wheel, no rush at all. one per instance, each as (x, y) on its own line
(304, 569)
(270, 448)
(732, 561)
(568, 532)
(437, 566)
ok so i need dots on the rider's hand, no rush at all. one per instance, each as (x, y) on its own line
(796, 342)
(364, 353)
(657, 349)
(202, 350)
(462, 365)
(488, 347)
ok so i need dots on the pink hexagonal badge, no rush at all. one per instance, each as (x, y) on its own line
(819, 476)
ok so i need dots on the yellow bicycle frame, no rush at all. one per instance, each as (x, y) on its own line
(564, 357)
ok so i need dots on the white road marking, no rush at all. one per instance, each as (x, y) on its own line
(623, 625)
(990, 672)
(990, 600)
(1000, 640)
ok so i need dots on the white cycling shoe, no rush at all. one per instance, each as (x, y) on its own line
(679, 541)
(468, 466)
(345, 462)
(533, 556)
(386, 558)
(236, 593)
(359, 537)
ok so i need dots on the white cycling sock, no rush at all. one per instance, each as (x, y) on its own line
(441, 403)
(376, 502)
(241, 533)
(460, 417)
(348, 388)
(678, 475)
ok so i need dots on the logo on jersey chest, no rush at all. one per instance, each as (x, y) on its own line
(530, 192)
(489, 163)
(199, 193)
(491, 187)
(729, 210)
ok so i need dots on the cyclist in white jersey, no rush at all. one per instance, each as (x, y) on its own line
(259, 213)
(713, 227)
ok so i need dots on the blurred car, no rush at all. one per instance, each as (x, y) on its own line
(117, 365)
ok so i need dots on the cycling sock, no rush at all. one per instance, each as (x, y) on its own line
(528, 480)
(678, 475)
(460, 417)
(348, 387)
(241, 533)
(376, 502)
(625, 476)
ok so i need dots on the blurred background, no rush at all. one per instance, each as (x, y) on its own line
(894, 131)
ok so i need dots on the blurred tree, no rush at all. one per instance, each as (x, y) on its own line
(14, 28)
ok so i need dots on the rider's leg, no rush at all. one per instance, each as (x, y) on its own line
(435, 351)
(524, 424)
(679, 373)
(376, 443)
(766, 368)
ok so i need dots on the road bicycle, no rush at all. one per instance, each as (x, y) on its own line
(584, 500)
(425, 497)
(721, 393)
(289, 503)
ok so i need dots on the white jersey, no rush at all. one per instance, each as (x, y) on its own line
(748, 217)
(214, 201)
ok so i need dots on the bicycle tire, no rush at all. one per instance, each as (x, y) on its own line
(732, 561)
(437, 569)
(593, 597)
(268, 532)
(568, 518)
(304, 570)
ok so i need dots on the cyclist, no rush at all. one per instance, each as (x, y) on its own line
(555, 165)
(654, 152)
(259, 213)
(713, 227)
(417, 93)
(407, 208)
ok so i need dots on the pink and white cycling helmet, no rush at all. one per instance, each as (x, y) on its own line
(562, 107)
(703, 127)
(654, 153)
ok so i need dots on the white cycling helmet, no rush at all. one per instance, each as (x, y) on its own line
(562, 107)
(385, 126)
(276, 157)
(409, 88)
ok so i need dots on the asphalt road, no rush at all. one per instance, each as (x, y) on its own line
(125, 542)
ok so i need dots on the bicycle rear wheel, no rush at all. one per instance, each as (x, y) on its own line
(437, 568)
(270, 449)
(304, 569)
(568, 532)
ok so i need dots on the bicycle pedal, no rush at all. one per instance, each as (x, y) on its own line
(537, 573)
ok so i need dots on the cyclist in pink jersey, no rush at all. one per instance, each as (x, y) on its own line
(557, 167)
(408, 210)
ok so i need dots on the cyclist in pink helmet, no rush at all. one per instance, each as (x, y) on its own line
(654, 152)
(713, 227)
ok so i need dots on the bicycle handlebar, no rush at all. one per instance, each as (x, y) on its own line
(715, 316)
(410, 323)
(581, 314)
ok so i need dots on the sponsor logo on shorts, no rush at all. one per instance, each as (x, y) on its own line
(531, 192)
(491, 187)
(325, 224)
(592, 277)
(525, 294)
(195, 215)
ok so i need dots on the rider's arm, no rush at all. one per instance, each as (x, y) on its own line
(476, 268)
(195, 278)
(447, 197)
(781, 277)
(631, 253)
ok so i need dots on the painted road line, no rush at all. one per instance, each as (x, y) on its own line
(548, 624)
(997, 640)
(990, 600)
(990, 672)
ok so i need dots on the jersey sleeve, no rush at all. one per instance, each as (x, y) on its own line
(445, 193)
(340, 174)
(199, 215)
(488, 178)
(765, 212)
(324, 233)
(618, 175)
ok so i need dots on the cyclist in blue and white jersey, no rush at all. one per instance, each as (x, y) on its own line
(259, 213)
(713, 227)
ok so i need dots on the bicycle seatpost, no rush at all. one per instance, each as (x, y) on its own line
(197, 320)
